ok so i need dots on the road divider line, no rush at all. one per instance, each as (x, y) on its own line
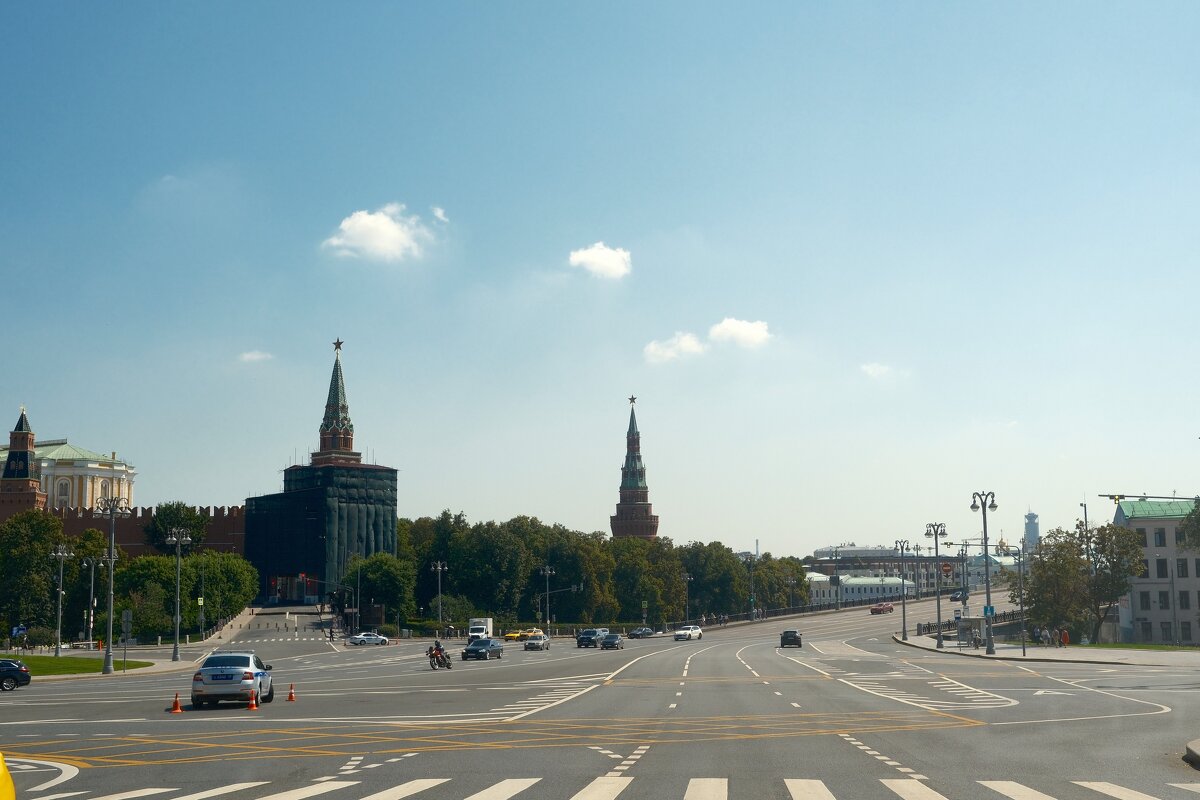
(1015, 791)
(233, 787)
(605, 788)
(504, 789)
(707, 789)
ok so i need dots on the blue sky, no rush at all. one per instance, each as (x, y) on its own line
(856, 261)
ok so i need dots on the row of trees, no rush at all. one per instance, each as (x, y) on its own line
(144, 585)
(496, 569)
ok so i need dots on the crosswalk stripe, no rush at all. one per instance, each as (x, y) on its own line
(233, 787)
(131, 794)
(310, 791)
(605, 788)
(504, 789)
(707, 789)
(807, 789)
(911, 789)
(406, 789)
(1191, 787)
(1112, 790)
(1015, 791)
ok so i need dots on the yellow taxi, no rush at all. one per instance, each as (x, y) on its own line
(525, 634)
(513, 636)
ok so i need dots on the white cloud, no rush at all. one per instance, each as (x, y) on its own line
(740, 332)
(383, 235)
(603, 261)
(883, 372)
(680, 345)
(440, 214)
(254, 355)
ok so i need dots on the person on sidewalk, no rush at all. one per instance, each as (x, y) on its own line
(1045, 636)
(1065, 639)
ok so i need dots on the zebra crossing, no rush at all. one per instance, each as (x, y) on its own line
(610, 787)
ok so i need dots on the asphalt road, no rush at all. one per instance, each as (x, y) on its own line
(851, 714)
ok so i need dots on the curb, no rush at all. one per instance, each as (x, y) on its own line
(1192, 753)
(1024, 659)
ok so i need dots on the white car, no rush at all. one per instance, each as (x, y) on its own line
(689, 632)
(368, 638)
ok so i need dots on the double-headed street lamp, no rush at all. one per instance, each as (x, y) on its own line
(62, 553)
(937, 532)
(791, 584)
(90, 613)
(114, 507)
(987, 502)
(439, 567)
(177, 538)
(902, 546)
(546, 571)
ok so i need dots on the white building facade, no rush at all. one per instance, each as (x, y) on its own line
(73, 477)
(1162, 604)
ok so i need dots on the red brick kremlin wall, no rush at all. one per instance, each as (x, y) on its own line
(226, 527)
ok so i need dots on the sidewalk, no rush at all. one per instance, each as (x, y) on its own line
(1078, 654)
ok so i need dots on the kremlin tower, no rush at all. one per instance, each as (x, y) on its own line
(635, 516)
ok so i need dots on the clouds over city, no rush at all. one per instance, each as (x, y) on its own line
(252, 356)
(387, 234)
(882, 373)
(736, 332)
(603, 261)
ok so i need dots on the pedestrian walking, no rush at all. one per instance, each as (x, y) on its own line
(1065, 639)
(1057, 635)
(1045, 636)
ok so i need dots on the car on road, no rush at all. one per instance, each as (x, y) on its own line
(612, 641)
(960, 596)
(484, 649)
(538, 641)
(689, 632)
(368, 638)
(882, 608)
(789, 637)
(512, 636)
(591, 637)
(13, 673)
(525, 634)
(641, 633)
(232, 675)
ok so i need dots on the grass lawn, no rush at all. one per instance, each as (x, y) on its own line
(72, 665)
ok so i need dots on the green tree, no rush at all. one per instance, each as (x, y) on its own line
(1057, 586)
(1114, 555)
(1189, 528)
(386, 580)
(28, 575)
(175, 516)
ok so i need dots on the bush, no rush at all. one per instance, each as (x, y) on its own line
(388, 630)
(39, 637)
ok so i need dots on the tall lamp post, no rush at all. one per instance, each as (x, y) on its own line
(917, 572)
(62, 553)
(90, 614)
(687, 596)
(987, 502)
(546, 572)
(1019, 552)
(439, 567)
(937, 532)
(114, 507)
(902, 546)
(177, 538)
(791, 584)
(837, 560)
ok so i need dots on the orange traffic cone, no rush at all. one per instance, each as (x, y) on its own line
(253, 705)
(176, 708)
(291, 693)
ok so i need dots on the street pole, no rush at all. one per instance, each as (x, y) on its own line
(62, 553)
(90, 563)
(902, 545)
(837, 560)
(203, 564)
(177, 537)
(687, 597)
(439, 567)
(114, 507)
(937, 531)
(916, 548)
(1021, 589)
(986, 501)
(791, 584)
(547, 571)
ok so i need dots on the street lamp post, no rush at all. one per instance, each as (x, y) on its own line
(62, 553)
(1019, 552)
(937, 532)
(837, 560)
(687, 595)
(90, 563)
(546, 572)
(177, 538)
(917, 572)
(439, 567)
(114, 507)
(203, 564)
(987, 502)
(902, 546)
(791, 584)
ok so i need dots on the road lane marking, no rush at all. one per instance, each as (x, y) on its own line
(911, 789)
(307, 791)
(233, 787)
(707, 789)
(1112, 790)
(134, 793)
(504, 789)
(1015, 791)
(605, 788)
(807, 790)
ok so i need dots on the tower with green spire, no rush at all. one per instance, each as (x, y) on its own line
(635, 516)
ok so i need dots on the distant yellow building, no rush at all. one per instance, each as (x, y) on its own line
(73, 477)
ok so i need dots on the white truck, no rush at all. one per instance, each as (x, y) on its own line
(479, 628)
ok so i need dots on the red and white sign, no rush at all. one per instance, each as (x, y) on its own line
(947, 568)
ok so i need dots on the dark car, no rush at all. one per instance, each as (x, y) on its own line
(641, 633)
(484, 649)
(789, 638)
(612, 641)
(589, 638)
(13, 673)
(960, 595)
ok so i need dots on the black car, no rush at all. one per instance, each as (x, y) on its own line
(641, 633)
(612, 641)
(484, 649)
(789, 638)
(960, 596)
(13, 673)
(589, 638)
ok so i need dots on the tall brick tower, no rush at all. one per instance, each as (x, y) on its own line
(20, 485)
(635, 516)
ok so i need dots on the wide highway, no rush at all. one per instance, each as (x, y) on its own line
(852, 714)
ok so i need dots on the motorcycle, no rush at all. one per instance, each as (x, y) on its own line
(438, 659)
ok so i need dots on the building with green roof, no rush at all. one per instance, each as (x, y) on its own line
(1163, 603)
(74, 477)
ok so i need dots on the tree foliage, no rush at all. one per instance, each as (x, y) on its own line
(176, 516)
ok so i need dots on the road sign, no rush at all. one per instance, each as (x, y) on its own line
(18, 630)
(989, 611)
(958, 613)
(199, 601)
(947, 568)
